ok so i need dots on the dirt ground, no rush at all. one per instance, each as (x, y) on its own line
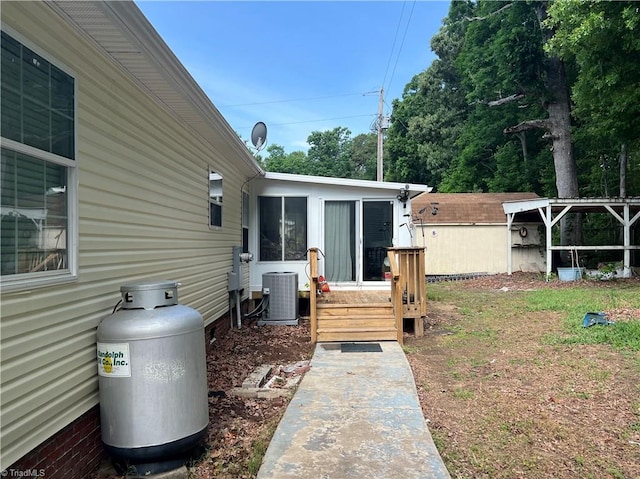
(501, 403)
(240, 428)
(510, 407)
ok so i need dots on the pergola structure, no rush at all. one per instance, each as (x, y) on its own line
(552, 210)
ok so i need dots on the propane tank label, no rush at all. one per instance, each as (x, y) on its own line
(113, 360)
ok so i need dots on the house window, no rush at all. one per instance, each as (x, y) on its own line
(283, 228)
(37, 167)
(215, 199)
(245, 222)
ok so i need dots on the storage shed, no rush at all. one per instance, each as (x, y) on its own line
(465, 234)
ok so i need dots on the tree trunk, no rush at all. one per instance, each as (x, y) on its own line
(565, 164)
(623, 171)
(559, 130)
(523, 143)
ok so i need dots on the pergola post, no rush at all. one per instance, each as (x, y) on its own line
(509, 244)
(625, 210)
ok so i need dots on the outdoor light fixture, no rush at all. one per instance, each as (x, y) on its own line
(404, 196)
(246, 257)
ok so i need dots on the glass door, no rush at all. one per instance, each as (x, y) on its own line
(377, 229)
(340, 241)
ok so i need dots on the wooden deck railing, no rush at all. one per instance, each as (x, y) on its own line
(408, 292)
(396, 293)
(313, 293)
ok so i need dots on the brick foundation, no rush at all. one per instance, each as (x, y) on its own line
(73, 453)
(76, 451)
(221, 326)
(218, 330)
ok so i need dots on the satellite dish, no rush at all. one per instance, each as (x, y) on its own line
(259, 135)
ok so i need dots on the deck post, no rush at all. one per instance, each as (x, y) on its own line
(396, 294)
(313, 293)
(419, 324)
(408, 287)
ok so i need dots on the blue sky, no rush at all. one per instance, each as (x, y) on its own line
(299, 66)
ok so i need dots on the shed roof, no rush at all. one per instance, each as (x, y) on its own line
(465, 208)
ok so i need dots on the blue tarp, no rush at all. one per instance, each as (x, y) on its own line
(596, 318)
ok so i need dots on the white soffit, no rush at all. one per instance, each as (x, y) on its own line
(122, 32)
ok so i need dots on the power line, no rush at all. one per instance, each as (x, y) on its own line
(393, 46)
(404, 36)
(314, 121)
(382, 123)
(289, 100)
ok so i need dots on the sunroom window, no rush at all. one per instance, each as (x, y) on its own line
(283, 228)
(37, 166)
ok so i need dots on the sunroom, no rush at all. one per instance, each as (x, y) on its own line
(351, 222)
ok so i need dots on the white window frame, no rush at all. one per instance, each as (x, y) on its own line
(283, 247)
(246, 215)
(23, 281)
(216, 194)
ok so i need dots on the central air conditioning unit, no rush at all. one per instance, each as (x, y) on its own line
(282, 292)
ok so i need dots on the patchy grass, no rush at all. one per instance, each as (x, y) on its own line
(515, 387)
(574, 304)
(259, 448)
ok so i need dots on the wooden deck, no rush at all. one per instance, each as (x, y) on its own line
(356, 297)
(355, 316)
(366, 315)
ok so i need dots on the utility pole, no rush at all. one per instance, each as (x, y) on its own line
(380, 174)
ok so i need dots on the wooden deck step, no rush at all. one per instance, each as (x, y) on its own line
(355, 330)
(354, 309)
(356, 322)
(329, 336)
(372, 322)
(353, 305)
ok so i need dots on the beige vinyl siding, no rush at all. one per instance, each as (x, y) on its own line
(457, 249)
(143, 213)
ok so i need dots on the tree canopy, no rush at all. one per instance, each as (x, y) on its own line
(530, 95)
(524, 95)
(331, 153)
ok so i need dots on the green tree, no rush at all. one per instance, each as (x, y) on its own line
(603, 39)
(281, 162)
(504, 64)
(426, 122)
(402, 160)
(328, 153)
(331, 153)
(363, 156)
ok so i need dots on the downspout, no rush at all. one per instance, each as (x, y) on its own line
(239, 257)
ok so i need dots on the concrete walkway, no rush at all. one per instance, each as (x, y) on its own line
(354, 415)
